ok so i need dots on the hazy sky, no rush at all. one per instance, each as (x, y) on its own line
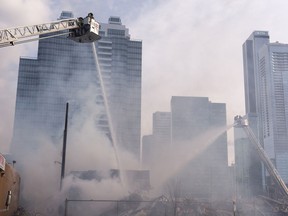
(190, 47)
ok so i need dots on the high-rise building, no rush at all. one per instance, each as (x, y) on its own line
(265, 99)
(121, 59)
(253, 170)
(201, 125)
(273, 67)
(251, 76)
(64, 71)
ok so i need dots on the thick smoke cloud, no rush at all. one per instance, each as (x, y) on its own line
(87, 149)
(192, 47)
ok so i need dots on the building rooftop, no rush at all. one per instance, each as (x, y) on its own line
(66, 15)
(114, 20)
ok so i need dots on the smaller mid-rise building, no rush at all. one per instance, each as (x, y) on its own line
(154, 146)
(200, 126)
(190, 144)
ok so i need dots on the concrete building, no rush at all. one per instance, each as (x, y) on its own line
(64, 71)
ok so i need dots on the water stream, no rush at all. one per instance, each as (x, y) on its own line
(109, 118)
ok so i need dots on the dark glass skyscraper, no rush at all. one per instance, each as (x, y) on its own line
(249, 169)
(64, 71)
(121, 59)
(251, 76)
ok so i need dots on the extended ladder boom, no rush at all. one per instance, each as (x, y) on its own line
(239, 122)
(267, 162)
(80, 30)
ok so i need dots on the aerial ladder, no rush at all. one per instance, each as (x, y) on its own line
(242, 122)
(81, 30)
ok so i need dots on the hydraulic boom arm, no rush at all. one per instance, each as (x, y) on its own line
(80, 30)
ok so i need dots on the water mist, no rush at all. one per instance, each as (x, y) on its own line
(170, 162)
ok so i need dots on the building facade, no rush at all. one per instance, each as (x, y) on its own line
(188, 148)
(162, 129)
(148, 154)
(65, 71)
(247, 172)
(154, 146)
(121, 59)
(201, 126)
(251, 76)
(265, 83)
(254, 170)
(273, 67)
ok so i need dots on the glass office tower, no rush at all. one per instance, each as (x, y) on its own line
(273, 67)
(251, 173)
(65, 71)
(265, 66)
(121, 59)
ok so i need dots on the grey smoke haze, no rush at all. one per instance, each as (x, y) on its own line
(88, 144)
(192, 47)
(172, 160)
(88, 149)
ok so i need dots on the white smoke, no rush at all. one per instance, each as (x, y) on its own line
(180, 37)
(87, 149)
(189, 48)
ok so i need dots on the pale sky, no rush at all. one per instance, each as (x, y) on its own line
(190, 47)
